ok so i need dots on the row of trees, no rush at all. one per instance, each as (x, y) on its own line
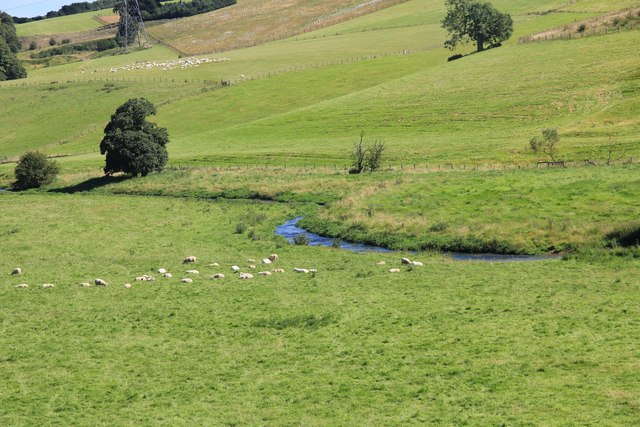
(10, 67)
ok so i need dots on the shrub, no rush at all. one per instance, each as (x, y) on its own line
(65, 41)
(336, 243)
(366, 158)
(240, 228)
(52, 41)
(33, 45)
(582, 28)
(34, 170)
(301, 239)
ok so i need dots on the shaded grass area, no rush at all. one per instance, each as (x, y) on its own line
(451, 343)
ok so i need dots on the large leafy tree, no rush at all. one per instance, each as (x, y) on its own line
(10, 66)
(132, 144)
(8, 32)
(469, 20)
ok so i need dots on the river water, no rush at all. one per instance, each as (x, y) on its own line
(290, 229)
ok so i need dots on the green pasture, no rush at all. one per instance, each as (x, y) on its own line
(63, 24)
(586, 88)
(448, 343)
(514, 211)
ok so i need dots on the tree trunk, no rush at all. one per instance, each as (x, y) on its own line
(480, 44)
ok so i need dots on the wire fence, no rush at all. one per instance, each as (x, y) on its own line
(562, 34)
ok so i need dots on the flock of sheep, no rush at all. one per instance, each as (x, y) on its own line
(169, 65)
(234, 268)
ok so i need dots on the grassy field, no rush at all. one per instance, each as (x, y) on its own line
(63, 24)
(449, 343)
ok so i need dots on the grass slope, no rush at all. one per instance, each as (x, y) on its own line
(63, 24)
(450, 343)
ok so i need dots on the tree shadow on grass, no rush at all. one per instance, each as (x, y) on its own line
(90, 184)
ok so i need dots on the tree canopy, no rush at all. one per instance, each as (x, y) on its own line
(469, 20)
(10, 66)
(132, 144)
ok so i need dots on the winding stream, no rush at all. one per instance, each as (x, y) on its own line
(290, 229)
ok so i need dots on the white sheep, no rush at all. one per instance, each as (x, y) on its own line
(273, 257)
(245, 276)
(394, 270)
(128, 285)
(381, 263)
(266, 261)
(162, 270)
(192, 272)
(417, 263)
(22, 285)
(47, 285)
(251, 261)
(189, 259)
(16, 271)
(278, 270)
(405, 260)
(100, 282)
(85, 284)
(218, 276)
(265, 273)
(235, 268)
(186, 280)
(167, 275)
(301, 270)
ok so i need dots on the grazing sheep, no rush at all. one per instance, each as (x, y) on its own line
(186, 280)
(313, 270)
(85, 284)
(218, 276)
(405, 260)
(266, 261)
(192, 272)
(278, 270)
(381, 263)
(47, 285)
(235, 268)
(189, 259)
(162, 270)
(167, 275)
(245, 276)
(128, 285)
(301, 270)
(16, 271)
(265, 273)
(214, 264)
(417, 263)
(253, 267)
(273, 257)
(251, 261)
(100, 282)
(22, 285)
(145, 278)
(394, 270)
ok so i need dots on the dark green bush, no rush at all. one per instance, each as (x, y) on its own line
(34, 170)
(301, 239)
(240, 228)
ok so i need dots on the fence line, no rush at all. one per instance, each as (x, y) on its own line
(572, 35)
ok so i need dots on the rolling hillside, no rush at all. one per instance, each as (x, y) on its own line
(262, 135)
(331, 84)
